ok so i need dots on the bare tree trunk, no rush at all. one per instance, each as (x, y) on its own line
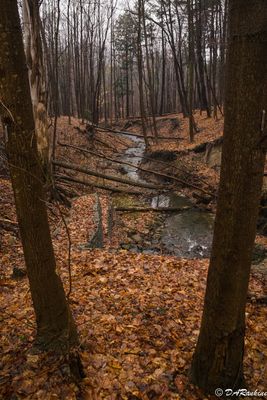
(111, 72)
(34, 59)
(223, 52)
(69, 66)
(203, 92)
(218, 358)
(191, 69)
(55, 327)
(140, 72)
(149, 73)
(56, 92)
(163, 71)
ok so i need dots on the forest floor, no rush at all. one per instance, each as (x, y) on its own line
(138, 315)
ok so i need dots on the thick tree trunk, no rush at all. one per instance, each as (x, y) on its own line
(55, 326)
(218, 358)
(34, 58)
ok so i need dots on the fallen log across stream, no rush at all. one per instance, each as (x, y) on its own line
(156, 173)
(87, 171)
(99, 128)
(148, 209)
(97, 185)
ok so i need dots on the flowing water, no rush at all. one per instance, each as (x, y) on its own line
(186, 234)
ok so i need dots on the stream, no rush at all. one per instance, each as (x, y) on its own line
(186, 234)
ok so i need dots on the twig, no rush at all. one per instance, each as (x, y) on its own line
(69, 249)
(8, 111)
(21, 320)
(8, 221)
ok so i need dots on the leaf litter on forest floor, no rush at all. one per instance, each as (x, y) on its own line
(138, 317)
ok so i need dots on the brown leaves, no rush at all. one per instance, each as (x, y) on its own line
(138, 317)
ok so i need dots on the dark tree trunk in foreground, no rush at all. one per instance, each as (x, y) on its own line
(218, 358)
(55, 326)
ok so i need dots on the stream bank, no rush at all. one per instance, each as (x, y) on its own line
(185, 234)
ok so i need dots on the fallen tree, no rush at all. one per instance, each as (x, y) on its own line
(88, 171)
(149, 171)
(148, 209)
(96, 185)
(99, 128)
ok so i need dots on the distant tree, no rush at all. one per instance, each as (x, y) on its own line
(218, 358)
(200, 58)
(140, 11)
(125, 35)
(55, 326)
(190, 69)
(149, 67)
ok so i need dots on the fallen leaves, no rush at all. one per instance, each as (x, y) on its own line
(138, 318)
(138, 331)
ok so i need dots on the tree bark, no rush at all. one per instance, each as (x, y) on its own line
(151, 91)
(218, 358)
(55, 89)
(55, 327)
(140, 73)
(190, 70)
(203, 92)
(163, 71)
(34, 59)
